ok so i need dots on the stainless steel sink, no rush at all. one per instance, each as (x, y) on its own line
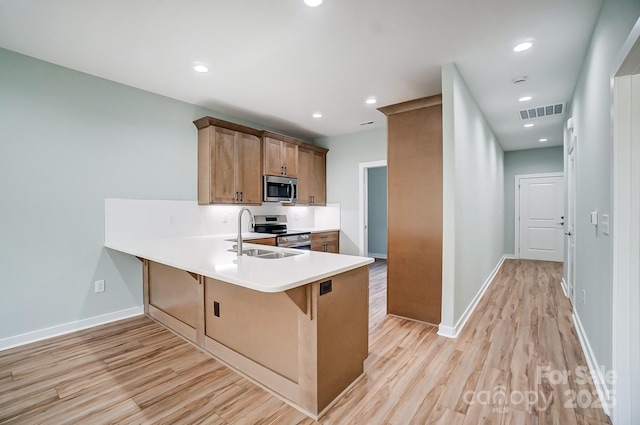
(265, 253)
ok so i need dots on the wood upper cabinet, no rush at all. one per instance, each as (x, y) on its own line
(326, 242)
(312, 173)
(229, 163)
(280, 155)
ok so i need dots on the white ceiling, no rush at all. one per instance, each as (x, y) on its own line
(276, 62)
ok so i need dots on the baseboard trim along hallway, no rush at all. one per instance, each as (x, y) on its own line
(453, 332)
(65, 328)
(599, 380)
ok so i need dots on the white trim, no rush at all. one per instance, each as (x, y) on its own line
(363, 168)
(565, 289)
(625, 344)
(516, 246)
(592, 362)
(39, 335)
(453, 332)
(377, 255)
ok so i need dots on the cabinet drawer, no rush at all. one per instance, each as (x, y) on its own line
(324, 237)
(262, 241)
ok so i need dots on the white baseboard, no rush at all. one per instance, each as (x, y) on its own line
(376, 255)
(39, 335)
(565, 289)
(592, 362)
(453, 332)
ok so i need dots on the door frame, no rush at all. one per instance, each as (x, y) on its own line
(517, 202)
(363, 207)
(626, 233)
(571, 184)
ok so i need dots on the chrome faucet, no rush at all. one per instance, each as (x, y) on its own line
(239, 244)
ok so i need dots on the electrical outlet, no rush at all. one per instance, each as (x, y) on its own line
(584, 296)
(172, 219)
(99, 285)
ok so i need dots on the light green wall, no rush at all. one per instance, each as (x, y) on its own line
(473, 198)
(528, 161)
(377, 210)
(69, 140)
(346, 152)
(591, 111)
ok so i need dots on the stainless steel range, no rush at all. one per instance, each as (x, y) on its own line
(277, 225)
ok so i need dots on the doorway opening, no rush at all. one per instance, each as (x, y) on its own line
(373, 209)
(373, 234)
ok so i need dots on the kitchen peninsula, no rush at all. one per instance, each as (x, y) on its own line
(297, 325)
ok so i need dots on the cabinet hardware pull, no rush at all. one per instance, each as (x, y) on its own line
(235, 198)
(240, 196)
(282, 170)
(285, 170)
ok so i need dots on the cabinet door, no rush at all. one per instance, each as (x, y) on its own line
(319, 179)
(290, 159)
(248, 176)
(304, 176)
(273, 157)
(223, 165)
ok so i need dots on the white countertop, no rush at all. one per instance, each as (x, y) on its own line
(209, 256)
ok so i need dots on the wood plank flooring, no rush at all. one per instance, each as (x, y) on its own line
(136, 372)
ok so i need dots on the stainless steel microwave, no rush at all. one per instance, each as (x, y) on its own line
(280, 189)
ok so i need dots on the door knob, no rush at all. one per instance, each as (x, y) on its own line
(567, 233)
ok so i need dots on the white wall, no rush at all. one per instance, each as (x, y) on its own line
(69, 140)
(591, 111)
(346, 152)
(528, 161)
(473, 204)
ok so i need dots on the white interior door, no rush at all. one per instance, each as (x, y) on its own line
(540, 225)
(570, 232)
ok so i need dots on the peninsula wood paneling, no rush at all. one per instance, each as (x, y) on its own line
(261, 326)
(174, 291)
(414, 167)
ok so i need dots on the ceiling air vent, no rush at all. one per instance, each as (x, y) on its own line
(544, 111)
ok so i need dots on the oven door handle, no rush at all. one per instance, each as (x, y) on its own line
(302, 245)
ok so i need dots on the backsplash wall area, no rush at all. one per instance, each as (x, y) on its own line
(142, 219)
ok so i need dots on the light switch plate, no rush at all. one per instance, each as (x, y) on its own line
(594, 218)
(604, 221)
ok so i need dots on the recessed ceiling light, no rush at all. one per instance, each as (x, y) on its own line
(528, 125)
(317, 115)
(313, 3)
(200, 68)
(543, 140)
(371, 101)
(522, 47)
(524, 99)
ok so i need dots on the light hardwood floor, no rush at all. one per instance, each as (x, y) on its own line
(135, 371)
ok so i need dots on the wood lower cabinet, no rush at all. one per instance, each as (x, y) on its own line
(262, 241)
(312, 175)
(414, 170)
(229, 163)
(307, 344)
(326, 242)
(280, 155)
